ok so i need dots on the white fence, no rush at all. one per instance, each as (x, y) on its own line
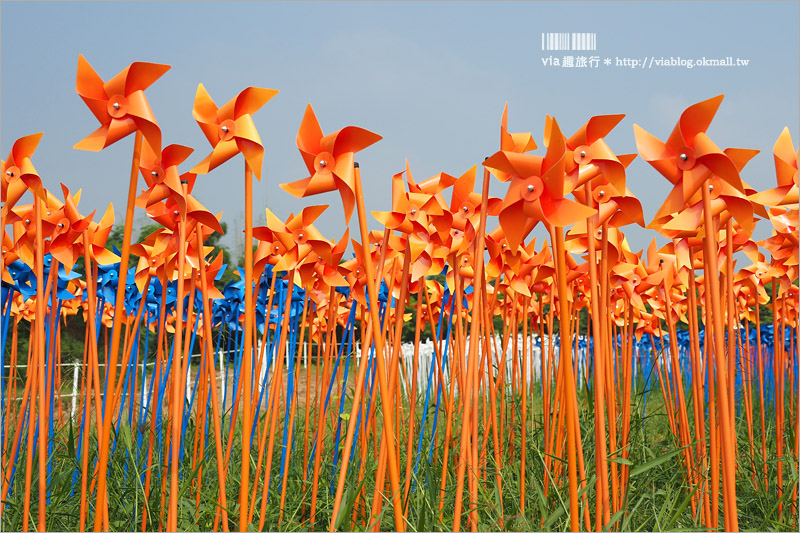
(426, 356)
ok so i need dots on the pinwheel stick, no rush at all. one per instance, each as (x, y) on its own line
(601, 464)
(386, 401)
(275, 393)
(726, 427)
(91, 370)
(569, 386)
(359, 388)
(40, 351)
(212, 380)
(248, 346)
(177, 393)
(101, 508)
(472, 369)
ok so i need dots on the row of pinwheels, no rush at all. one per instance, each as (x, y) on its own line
(298, 292)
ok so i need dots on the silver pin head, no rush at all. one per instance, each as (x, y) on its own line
(684, 157)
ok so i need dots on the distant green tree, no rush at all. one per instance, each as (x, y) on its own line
(115, 237)
(146, 230)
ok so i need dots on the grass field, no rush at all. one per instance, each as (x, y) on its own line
(657, 497)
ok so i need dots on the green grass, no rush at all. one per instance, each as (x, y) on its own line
(657, 497)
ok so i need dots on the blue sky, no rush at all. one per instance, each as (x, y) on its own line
(432, 78)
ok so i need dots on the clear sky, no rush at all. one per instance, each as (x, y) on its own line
(431, 78)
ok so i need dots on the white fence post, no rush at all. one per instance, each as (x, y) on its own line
(74, 388)
(144, 385)
(189, 379)
(222, 379)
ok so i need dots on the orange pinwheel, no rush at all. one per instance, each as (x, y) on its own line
(465, 205)
(512, 142)
(503, 258)
(168, 213)
(296, 238)
(230, 128)
(153, 253)
(23, 219)
(355, 273)
(433, 185)
(537, 188)
(160, 172)
(211, 271)
(726, 202)
(592, 156)
(18, 173)
(329, 160)
(411, 212)
(689, 157)
(9, 256)
(119, 104)
(66, 244)
(326, 272)
(786, 171)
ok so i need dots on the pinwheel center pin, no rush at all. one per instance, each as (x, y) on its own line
(582, 155)
(714, 188)
(62, 226)
(14, 171)
(117, 106)
(227, 130)
(158, 174)
(300, 237)
(532, 188)
(413, 212)
(686, 158)
(602, 194)
(276, 248)
(324, 163)
(359, 273)
(466, 210)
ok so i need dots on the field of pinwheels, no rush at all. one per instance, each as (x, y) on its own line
(444, 372)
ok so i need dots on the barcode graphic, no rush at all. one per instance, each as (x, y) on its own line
(569, 41)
